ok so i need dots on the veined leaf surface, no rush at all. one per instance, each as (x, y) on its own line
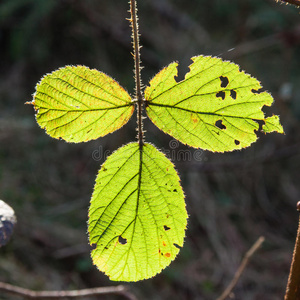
(137, 216)
(78, 104)
(216, 107)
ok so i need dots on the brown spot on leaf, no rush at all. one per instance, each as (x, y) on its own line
(167, 254)
(164, 243)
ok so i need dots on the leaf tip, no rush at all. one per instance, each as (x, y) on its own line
(272, 124)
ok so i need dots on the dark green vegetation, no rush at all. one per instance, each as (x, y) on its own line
(232, 198)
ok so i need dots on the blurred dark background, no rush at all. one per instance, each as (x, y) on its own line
(232, 198)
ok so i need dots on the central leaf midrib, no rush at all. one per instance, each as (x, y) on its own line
(202, 113)
(137, 199)
(88, 109)
(85, 93)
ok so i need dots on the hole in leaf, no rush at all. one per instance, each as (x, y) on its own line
(224, 81)
(177, 246)
(175, 191)
(257, 91)
(220, 125)
(122, 240)
(260, 123)
(221, 94)
(183, 69)
(166, 228)
(233, 94)
(93, 246)
(237, 142)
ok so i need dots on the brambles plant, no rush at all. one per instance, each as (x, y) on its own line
(137, 216)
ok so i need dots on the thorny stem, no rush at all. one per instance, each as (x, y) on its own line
(293, 285)
(295, 2)
(137, 70)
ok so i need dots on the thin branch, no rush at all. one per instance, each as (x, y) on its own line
(293, 285)
(30, 294)
(137, 69)
(241, 268)
(294, 2)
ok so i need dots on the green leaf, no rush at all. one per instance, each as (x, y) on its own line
(78, 104)
(272, 124)
(216, 107)
(137, 216)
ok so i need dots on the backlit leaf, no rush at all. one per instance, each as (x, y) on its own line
(137, 216)
(216, 107)
(78, 104)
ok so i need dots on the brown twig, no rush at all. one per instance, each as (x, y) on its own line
(294, 2)
(241, 268)
(30, 294)
(293, 285)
